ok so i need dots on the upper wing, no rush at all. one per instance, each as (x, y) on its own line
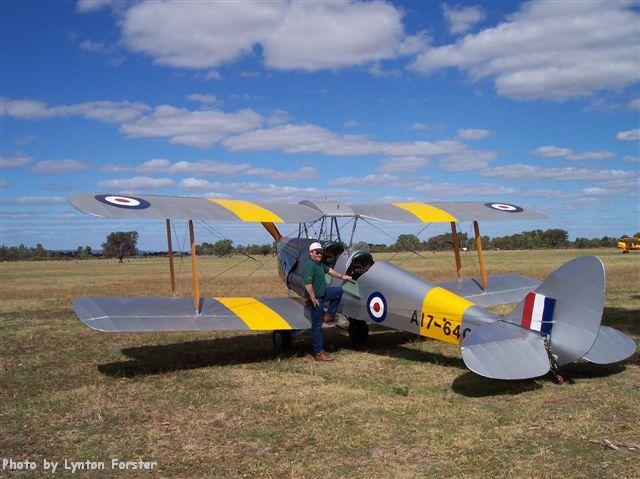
(144, 314)
(180, 207)
(415, 212)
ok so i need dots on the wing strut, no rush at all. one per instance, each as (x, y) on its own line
(456, 249)
(170, 249)
(194, 269)
(483, 271)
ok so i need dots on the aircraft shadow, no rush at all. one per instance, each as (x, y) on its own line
(626, 320)
(165, 358)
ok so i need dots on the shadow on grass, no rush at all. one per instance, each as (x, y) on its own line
(626, 320)
(164, 358)
(470, 384)
(256, 348)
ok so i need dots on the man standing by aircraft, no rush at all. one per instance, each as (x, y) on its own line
(319, 294)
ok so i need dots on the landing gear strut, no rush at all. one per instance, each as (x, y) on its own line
(553, 361)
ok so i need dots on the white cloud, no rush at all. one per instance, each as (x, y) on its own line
(293, 35)
(314, 139)
(199, 34)
(567, 154)
(631, 159)
(36, 200)
(467, 160)
(95, 47)
(136, 183)
(549, 50)
(385, 180)
(473, 134)
(200, 129)
(404, 164)
(304, 173)
(329, 35)
(13, 161)
(205, 99)
(58, 167)
(198, 184)
(630, 135)
(461, 19)
(86, 6)
(439, 191)
(105, 111)
(634, 105)
(523, 172)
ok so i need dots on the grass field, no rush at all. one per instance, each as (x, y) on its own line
(224, 404)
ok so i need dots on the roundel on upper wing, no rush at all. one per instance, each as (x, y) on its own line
(377, 307)
(504, 207)
(128, 202)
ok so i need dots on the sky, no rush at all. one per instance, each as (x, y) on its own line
(532, 103)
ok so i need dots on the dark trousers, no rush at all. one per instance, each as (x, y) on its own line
(331, 299)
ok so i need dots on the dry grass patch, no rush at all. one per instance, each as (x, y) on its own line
(224, 404)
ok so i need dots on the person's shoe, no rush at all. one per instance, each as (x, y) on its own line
(322, 356)
(330, 319)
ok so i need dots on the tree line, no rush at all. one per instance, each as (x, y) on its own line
(122, 244)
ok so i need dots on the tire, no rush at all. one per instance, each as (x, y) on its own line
(281, 340)
(358, 330)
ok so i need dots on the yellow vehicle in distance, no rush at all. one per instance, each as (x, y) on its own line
(629, 244)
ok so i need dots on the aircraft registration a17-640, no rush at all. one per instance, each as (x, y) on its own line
(556, 322)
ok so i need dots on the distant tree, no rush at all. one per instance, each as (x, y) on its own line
(39, 253)
(121, 244)
(223, 247)
(408, 242)
(445, 241)
(83, 253)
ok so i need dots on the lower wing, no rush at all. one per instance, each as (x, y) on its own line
(501, 289)
(144, 314)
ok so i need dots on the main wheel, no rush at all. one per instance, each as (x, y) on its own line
(282, 340)
(358, 330)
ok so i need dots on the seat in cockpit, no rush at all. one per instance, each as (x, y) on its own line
(359, 264)
(332, 250)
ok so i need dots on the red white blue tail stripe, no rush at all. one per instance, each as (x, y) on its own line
(537, 313)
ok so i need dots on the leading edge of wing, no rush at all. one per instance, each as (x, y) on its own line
(146, 314)
(416, 212)
(183, 207)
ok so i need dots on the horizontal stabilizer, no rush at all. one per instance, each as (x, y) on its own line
(611, 346)
(504, 350)
(143, 314)
(501, 289)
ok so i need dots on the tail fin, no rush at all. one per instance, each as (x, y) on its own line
(567, 306)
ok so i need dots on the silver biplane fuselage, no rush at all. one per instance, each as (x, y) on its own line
(385, 294)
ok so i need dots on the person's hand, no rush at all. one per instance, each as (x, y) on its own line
(315, 302)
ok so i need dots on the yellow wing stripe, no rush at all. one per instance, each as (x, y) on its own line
(256, 315)
(247, 211)
(442, 313)
(426, 213)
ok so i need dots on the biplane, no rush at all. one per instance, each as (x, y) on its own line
(556, 321)
(629, 244)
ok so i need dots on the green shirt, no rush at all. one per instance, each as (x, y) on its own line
(313, 273)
